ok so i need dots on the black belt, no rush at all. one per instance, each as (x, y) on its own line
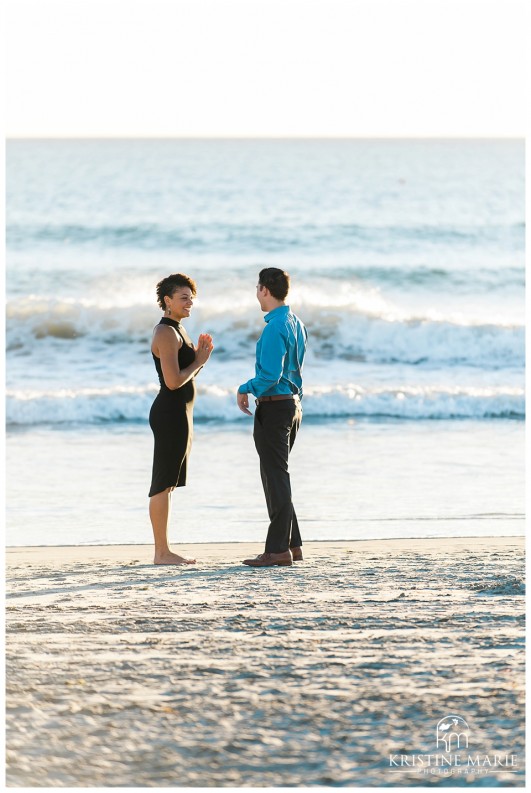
(276, 398)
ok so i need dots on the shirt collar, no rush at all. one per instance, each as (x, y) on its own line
(277, 312)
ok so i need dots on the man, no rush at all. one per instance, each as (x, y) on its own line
(277, 387)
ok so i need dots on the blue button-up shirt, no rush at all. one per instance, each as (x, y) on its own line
(279, 356)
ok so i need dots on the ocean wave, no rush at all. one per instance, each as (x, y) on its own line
(503, 585)
(128, 403)
(263, 237)
(359, 325)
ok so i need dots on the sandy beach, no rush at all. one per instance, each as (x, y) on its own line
(125, 674)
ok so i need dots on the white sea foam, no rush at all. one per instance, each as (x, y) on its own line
(361, 325)
(121, 403)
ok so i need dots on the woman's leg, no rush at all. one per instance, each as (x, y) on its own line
(159, 513)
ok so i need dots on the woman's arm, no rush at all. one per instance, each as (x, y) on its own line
(166, 345)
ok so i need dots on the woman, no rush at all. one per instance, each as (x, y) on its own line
(177, 362)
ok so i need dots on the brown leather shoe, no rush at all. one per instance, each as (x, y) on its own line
(270, 560)
(297, 554)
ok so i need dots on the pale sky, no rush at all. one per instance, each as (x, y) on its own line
(346, 68)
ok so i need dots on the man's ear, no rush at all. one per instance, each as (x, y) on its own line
(264, 291)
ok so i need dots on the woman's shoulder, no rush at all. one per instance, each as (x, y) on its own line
(166, 334)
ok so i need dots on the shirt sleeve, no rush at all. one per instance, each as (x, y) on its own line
(271, 363)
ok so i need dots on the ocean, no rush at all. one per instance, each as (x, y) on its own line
(407, 266)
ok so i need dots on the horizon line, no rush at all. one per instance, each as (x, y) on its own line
(264, 137)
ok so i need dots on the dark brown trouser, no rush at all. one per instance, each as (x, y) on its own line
(275, 428)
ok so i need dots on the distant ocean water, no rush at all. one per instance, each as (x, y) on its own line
(407, 261)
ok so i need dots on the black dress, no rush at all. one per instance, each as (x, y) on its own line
(171, 419)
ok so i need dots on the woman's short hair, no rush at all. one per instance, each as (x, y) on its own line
(276, 280)
(168, 286)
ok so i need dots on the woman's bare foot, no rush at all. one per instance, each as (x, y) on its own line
(171, 558)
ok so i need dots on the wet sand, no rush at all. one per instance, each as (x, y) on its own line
(125, 674)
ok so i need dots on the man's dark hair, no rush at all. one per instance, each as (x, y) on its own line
(277, 281)
(168, 286)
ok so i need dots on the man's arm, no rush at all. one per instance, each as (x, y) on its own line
(271, 363)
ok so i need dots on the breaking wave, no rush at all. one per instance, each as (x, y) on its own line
(362, 327)
(129, 403)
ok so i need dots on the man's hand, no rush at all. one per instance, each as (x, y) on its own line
(243, 403)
